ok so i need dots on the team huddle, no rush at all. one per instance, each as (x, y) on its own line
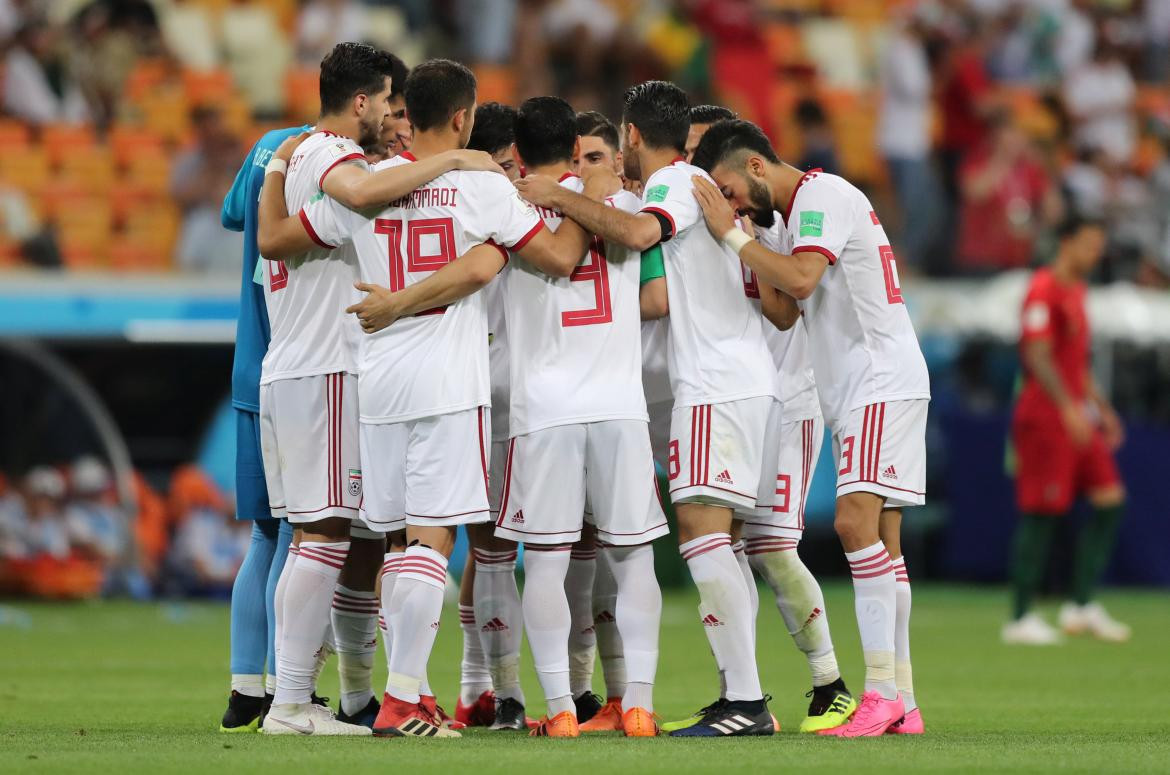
(503, 318)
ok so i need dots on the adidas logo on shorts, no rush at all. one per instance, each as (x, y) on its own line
(724, 477)
(890, 473)
(518, 517)
(495, 625)
(710, 620)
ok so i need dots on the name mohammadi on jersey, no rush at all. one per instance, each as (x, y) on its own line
(575, 342)
(861, 340)
(307, 295)
(716, 349)
(1055, 312)
(239, 213)
(798, 387)
(435, 362)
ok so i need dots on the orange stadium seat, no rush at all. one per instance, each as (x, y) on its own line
(147, 75)
(130, 254)
(14, 134)
(301, 94)
(59, 197)
(126, 141)
(150, 169)
(155, 225)
(26, 168)
(211, 87)
(166, 113)
(92, 168)
(496, 84)
(63, 140)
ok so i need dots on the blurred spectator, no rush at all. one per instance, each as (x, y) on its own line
(819, 145)
(109, 37)
(45, 531)
(12, 522)
(1099, 97)
(904, 138)
(325, 23)
(1008, 198)
(19, 223)
(487, 28)
(209, 544)
(151, 527)
(200, 178)
(99, 530)
(1077, 37)
(37, 86)
(1156, 24)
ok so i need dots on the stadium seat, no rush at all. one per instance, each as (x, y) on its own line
(496, 83)
(129, 254)
(14, 134)
(150, 169)
(127, 140)
(66, 140)
(26, 168)
(207, 87)
(155, 226)
(92, 168)
(147, 75)
(302, 96)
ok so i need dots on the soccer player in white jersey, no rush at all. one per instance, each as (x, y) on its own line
(870, 373)
(722, 448)
(577, 426)
(424, 383)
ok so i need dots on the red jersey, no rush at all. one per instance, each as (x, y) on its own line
(1055, 311)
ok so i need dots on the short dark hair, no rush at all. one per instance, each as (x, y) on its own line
(398, 77)
(546, 130)
(661, 112)
(726, 138)
(1073, 222)
(709, 114)
(351, 69)
(495, 128)
(436, 90)
(594, 124)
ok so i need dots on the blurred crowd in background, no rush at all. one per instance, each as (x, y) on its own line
(65, 534)
(973, 124)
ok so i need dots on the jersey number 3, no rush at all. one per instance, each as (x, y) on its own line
(441, 252)
(596, 272)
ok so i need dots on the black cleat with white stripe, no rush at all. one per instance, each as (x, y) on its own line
(732, 718)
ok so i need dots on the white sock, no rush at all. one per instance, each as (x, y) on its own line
(307, 598)
(726, 612)
(801, 603)
(903, 674)
(355, 624)
(875, 601)
(749, 581)
(609, 640)
(415, 609)
(582, 638)
(639, 614)
(278, 610)
(247, 684)
(391, 563)
(500, 619)
(548, 622)
(474, 678)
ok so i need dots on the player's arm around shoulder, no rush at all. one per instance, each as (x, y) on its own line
(355, 187)
(279, 236)
(653, 300)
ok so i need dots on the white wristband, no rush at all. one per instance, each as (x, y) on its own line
(735, 239)
(276, 165)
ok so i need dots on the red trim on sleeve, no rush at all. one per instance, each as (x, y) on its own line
(792, 199)
(498, 247)
(519, 245)
(677, 159)
(566, 176)
(828, 254)
(312, 233)
(407, 155)
(668, 216)
(348, 157)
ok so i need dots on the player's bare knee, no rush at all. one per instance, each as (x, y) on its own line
(1107, 497)
(333, 529)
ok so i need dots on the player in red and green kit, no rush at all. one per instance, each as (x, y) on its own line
(1065, 432)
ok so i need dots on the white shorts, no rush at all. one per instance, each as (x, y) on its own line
(499, 459)
(309, 441)
(552, 472)
(881, 448)
(724, 454)
(800, 446)
(429, 472)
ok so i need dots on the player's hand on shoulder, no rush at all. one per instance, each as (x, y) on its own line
(377, 310)
(289, 146)
(600, 182)
(475, 161)
(540, 190)
(718, 213)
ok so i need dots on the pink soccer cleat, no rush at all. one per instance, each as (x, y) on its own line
(873, 717)
(911, 724)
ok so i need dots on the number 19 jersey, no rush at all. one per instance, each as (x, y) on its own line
(862, 343)
(306, 295)
(435, 362)
(574, 342)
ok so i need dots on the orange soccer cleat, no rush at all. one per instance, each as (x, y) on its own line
(481, 713)
(639, 722)
(564, 724)
(398, 717)
(608, 719)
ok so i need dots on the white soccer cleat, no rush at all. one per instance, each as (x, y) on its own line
(1072, 619)
(1102, 626)
(1030, 630)
(308, 719)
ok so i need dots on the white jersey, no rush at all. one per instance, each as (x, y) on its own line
(798, 387)
(306, 295)
(861, 340)
(435, 362)
(716, 349)
(574, 342)
(498, 357)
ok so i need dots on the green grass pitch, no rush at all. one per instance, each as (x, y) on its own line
(118, 687)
